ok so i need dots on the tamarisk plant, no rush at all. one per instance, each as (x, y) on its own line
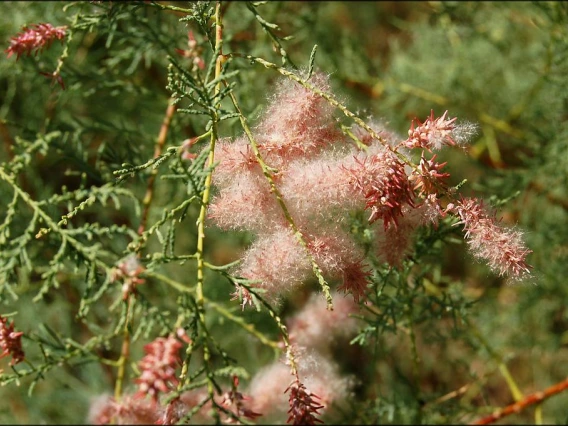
(318, 178)
(129, 234)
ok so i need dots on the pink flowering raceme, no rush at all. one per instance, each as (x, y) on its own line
(35, 38)
(434, 133)
(303, 405)
(502, 248)
(323, 179)
(158, 367)
(321, 383)
(384, 183)
(297, 124)
(11, 342)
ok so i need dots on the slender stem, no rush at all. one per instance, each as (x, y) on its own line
(147, 201)
(250, 328)
(200, 299)
(535, 398)
(513, 387)
(157, 152)
(124, 352)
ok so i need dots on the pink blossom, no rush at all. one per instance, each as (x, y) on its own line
(238, 403)
(36, 37)
(395, 243)
(243, 294)
(304, 406)
(355, 278)
(434, 133)
(193, 51)
(502, 248)
(317, 373)
(11, 341)
(158, 367)
(128, 271)
(429, 179)
(382, 179)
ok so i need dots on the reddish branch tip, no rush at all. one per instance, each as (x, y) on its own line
(10, 342)
(303, 405)
(34, 38)
(434, 133)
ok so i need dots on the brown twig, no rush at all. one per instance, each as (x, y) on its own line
(519, 406)
(125, 349)
(157, 152)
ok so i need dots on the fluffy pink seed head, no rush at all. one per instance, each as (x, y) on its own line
(245, 204)
(317, 327)
(297, 123)
(129, 411)
(319, 189)
(267, 389)
(101, 410)
(325, 187)
(11, 342)
(503, 249)
(277, 261)
(234, 158)
(333, 250)
(321, 376)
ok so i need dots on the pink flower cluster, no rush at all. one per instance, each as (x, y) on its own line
(318, 384)
(11, 341)
(434, 133)
(128, 271)
(132, 410)
(503, 249)
(303, 405)
(272, 391)
(323, 178)
(35, 38)
(158, 367)
(193, 52)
